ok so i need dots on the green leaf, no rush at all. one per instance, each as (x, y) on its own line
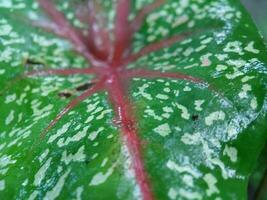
(199, 141)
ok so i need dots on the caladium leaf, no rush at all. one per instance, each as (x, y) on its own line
(141, 100)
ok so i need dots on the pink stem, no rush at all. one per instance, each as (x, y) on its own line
(57, 16)
(62, 28)
(47, 72)
(98, 38)
(144, 73)
(121, 32)
(95, 88)
(128, 124)
(62, 24)
(52, 27)
(156, 46)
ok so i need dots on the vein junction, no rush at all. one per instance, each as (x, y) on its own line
(108, 60)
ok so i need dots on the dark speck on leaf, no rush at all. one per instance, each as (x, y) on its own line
(85, 86)
(64, 94)
(33, 62)
(194, 117)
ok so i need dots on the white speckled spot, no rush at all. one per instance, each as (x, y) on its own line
(25, 182)
(237, 63)
(205, 60)
(167, 90)
(206, 41)
(5, 29)
(2, 146)
(153, 114)
(245, 88)
(41, 172)
(188, 51)
(79, 192)
(187, 89)
(77, 137)
(215, 116)
(2, 185)
(2, 71)
(226, 172)
(184, 110)
(235, 74)
(183, 169)
(232, 131)
(231, 152)
(6, 54)
(167, 109)
(101, 177)
(188, 180)
(143, 93)
(10, 117)
(163, 130)
(79, 156)
(172, 193)
(211, 182)
(43, 155)
(6, 160)
(12, 5)
(188, 194)
(221, 57)
(234, 47)
(60, 132)
(104, 162)
(92, 136)
(221, 67)
(33, 195)
(55, 192)
(92, 107)
(191, 138)
(250, 48)
(162, 96)
(103, 113)
(247, 78)
(200, 48)
(253, 103)
(198, 104)
(89, 119)
(38, 113)
(180, 20)
(166, 115)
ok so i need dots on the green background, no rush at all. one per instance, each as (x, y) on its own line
(258, 11)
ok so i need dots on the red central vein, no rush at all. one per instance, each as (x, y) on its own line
(108, 62)
(128, 124)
